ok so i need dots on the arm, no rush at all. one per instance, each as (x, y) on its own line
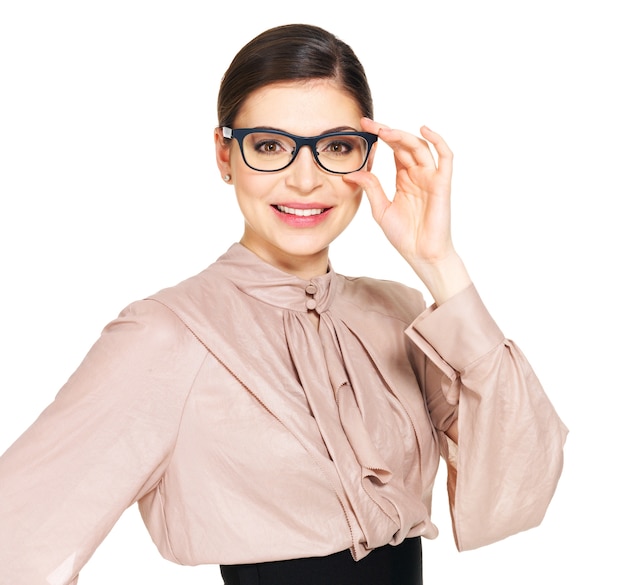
(417, 220)
(499, 433)
(506, 453)
(102, 444)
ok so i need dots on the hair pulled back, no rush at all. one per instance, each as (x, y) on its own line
(293, 52)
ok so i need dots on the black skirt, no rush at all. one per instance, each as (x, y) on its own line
(388, 565)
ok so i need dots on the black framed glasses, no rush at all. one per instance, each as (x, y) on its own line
(274, 150)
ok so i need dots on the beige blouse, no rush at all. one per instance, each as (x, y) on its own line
(246, 434)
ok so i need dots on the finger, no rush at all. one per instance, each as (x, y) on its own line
(444, 154)
(408, 149)
(369, 125)
(374, 191)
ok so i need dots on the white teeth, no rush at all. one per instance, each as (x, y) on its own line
(299, 212)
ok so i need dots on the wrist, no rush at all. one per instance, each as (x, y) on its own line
(443, 278)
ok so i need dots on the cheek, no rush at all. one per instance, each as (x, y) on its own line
(237, 166)
(252, 188)
(353, 195)
(351, 202)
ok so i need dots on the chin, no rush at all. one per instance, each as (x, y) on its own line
(304, 250)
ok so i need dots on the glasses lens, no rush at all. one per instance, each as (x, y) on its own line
(342, 153)
(266, 151)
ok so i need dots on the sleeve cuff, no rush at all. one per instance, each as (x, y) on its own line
(460, 331)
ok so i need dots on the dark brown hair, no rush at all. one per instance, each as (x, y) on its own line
(290, 53)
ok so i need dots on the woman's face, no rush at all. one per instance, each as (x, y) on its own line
(291, 216)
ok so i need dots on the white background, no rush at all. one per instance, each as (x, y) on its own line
(108, 192)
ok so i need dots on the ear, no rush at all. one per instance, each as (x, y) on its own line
(222, 152)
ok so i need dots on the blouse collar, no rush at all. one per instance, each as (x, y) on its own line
(264, 282)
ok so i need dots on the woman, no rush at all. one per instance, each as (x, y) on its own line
(271, 415)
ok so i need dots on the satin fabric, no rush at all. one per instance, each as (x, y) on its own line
(246, 434)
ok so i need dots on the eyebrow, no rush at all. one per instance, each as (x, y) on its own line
(329, 131)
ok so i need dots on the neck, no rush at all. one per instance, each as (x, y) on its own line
(305, 267)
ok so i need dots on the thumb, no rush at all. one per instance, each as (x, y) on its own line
(374, 191)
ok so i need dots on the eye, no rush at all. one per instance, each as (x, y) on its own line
(337, 147)
(270, 145)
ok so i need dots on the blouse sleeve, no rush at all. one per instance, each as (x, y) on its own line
(503, 471)
(101, 445)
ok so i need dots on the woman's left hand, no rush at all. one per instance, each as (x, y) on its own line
(417, 220)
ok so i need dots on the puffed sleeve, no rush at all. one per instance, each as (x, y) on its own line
(503, 471)
(101, 445)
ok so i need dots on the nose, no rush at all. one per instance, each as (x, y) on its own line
(304, 173)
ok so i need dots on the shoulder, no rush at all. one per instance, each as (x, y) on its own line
(147, 324)
(159, 318)
(386, 297)
(199, 295)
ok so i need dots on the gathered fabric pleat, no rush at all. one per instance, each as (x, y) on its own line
(359, 417)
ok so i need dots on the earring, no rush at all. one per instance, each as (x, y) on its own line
(227, 178)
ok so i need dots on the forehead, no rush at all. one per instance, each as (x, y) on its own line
(306, 108)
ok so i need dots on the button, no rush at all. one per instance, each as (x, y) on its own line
(311, 304)
(310, 289)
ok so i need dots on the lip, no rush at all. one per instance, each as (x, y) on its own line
(306, 220)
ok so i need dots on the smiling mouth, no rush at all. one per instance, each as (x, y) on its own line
(300, 212)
